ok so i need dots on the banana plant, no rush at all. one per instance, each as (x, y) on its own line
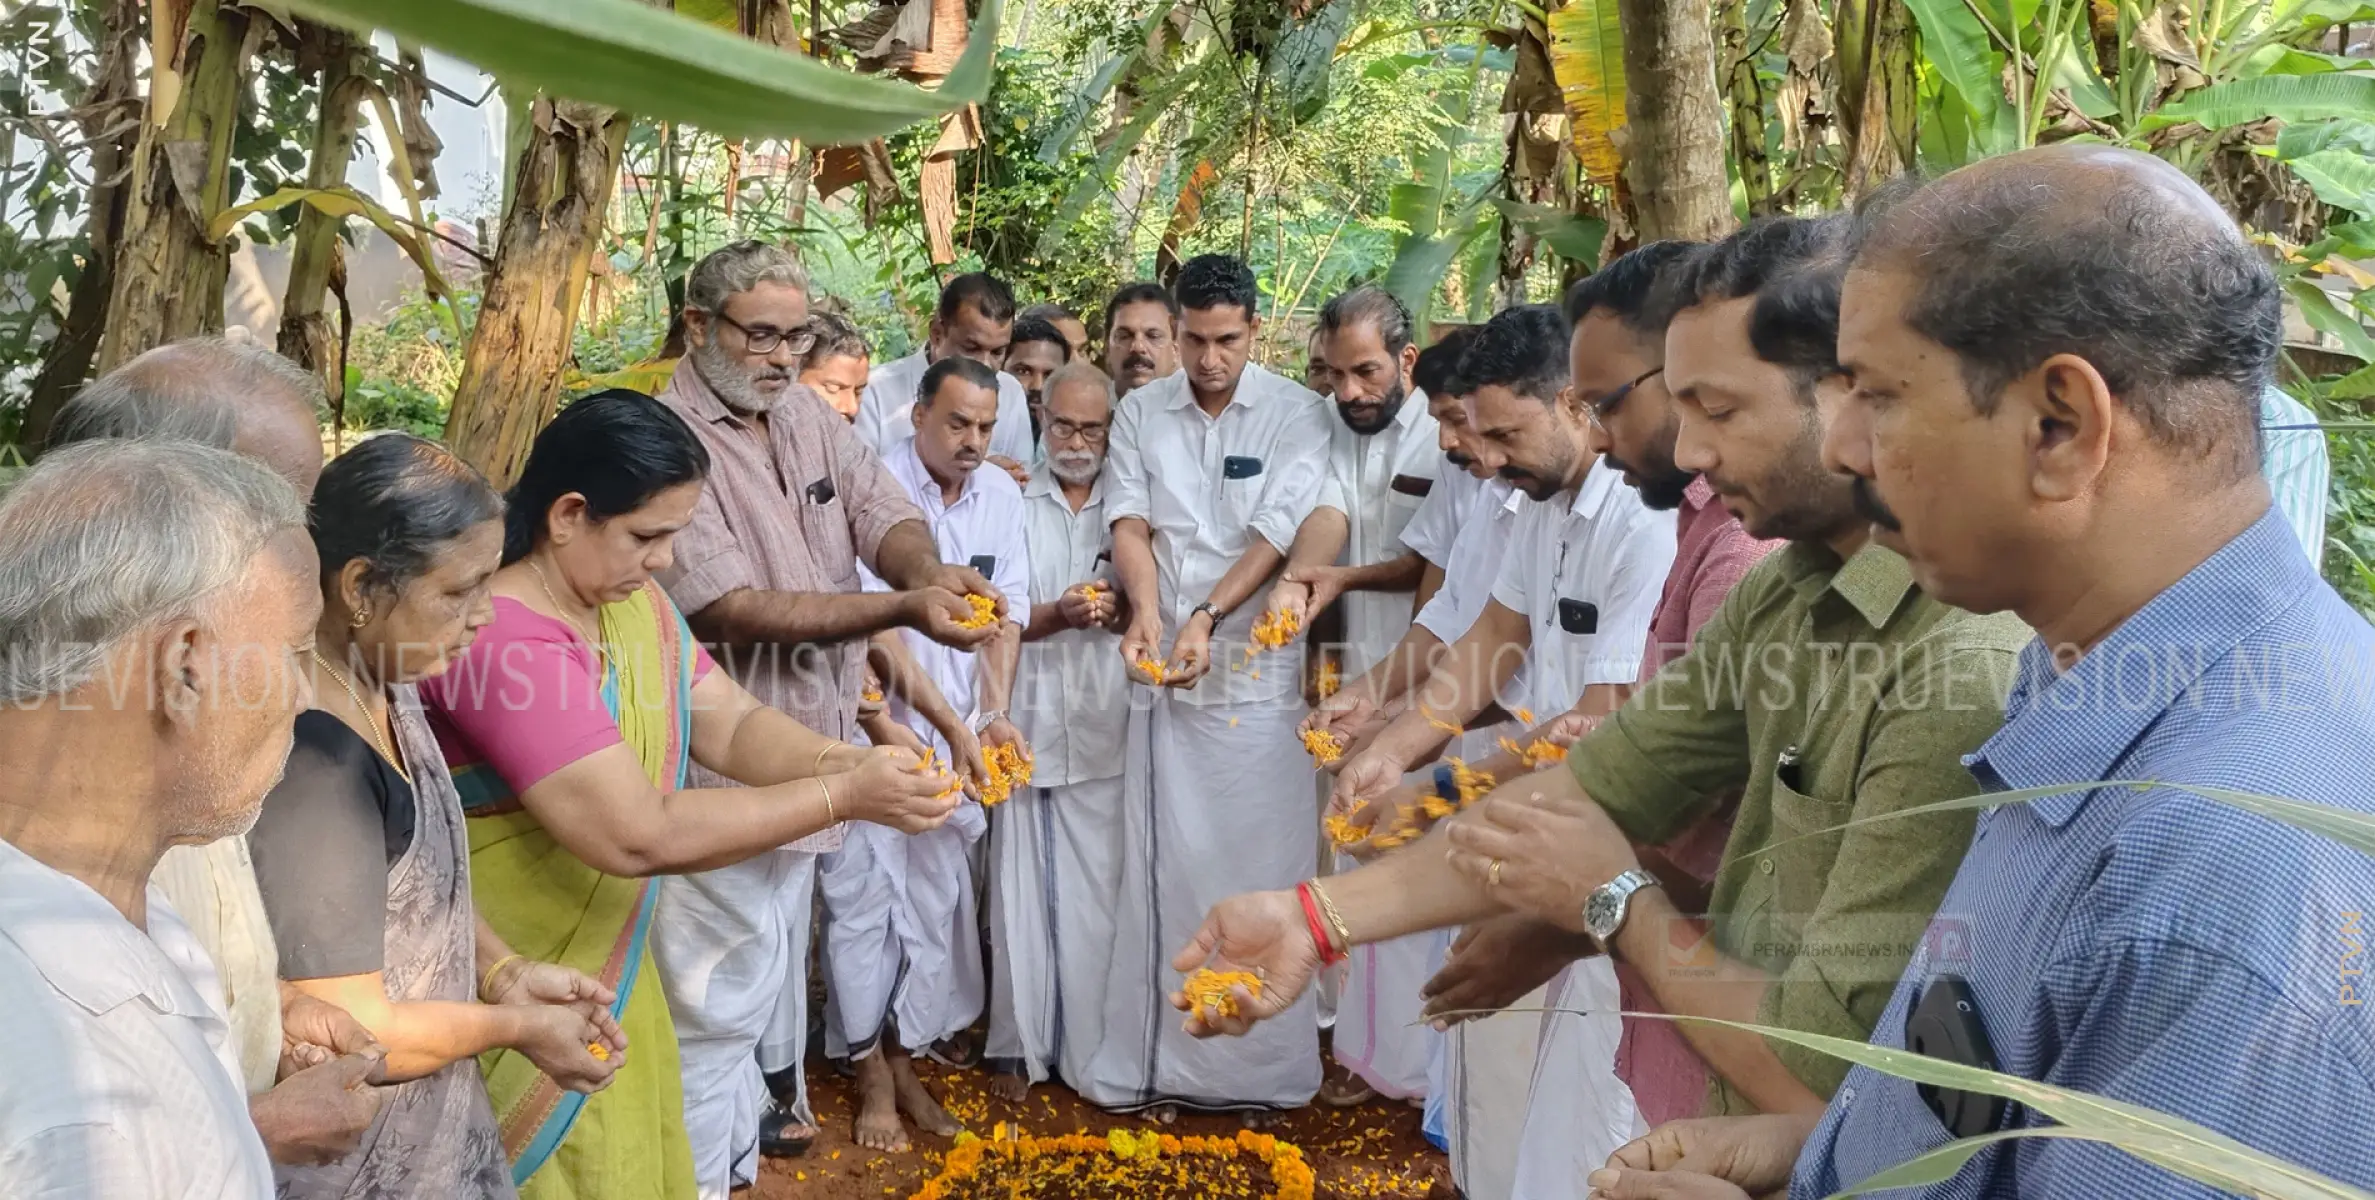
(630, 56)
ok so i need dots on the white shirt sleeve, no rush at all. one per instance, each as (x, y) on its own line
(1125, 470)
(1510, 585)
(1297, 478)
(1636, 579)
(875, 407)
(1014, 565)
(78, 1162)
(1433, 526)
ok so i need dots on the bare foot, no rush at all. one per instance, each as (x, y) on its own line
(1160, 1114)
(1263, 1118)
(878, 1126)
(1011, 1088)
(918, 1103)
(1345, 1090)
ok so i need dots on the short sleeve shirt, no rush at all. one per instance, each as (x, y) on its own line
(1071, 692)
(883, 408)
(1586, 571)
(1379, 481)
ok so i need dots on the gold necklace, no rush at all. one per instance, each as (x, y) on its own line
(363, 710)
(594, 642)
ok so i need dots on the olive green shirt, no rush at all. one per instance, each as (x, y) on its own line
(1826, 692)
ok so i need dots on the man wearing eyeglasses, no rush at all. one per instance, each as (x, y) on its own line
(767, 575)
(1055, 846)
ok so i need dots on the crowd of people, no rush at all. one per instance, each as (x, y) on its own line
(1511, 720)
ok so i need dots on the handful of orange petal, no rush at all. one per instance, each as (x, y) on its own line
(600, 1052)
(1208, 991)
(1154, 668)
(1343, 832)
(1331, 680)
(1324, 746)
(985, 610)
(1008, 766)
(1536, 753)
(932, 763)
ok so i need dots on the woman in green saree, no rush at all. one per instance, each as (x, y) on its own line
(569, 727)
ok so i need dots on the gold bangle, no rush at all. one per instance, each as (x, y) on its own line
(831, 818)
(1336, 926)
(818, 767)
(486, 982)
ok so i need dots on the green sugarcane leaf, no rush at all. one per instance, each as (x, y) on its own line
(655, 63)
(2331, 319)
(2288, 98)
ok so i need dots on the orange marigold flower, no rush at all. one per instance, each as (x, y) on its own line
(1154, 668)
(1536, 754)
(1208, 991)
(1331, 680)
(1276, 629)
(1323, 745)
(600, 1052)
(1008, 766)
(985, 610)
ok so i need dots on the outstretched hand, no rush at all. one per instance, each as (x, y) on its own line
(1262, 934)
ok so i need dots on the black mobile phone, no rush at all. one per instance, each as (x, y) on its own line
(987, 564)
(1944, 1024)
(1579, 616)
(821, 492)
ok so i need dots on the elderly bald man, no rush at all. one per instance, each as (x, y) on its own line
(246, 399)
(2057, 360)
(158, 604)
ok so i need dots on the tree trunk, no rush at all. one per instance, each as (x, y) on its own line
(511, 369)
(1879, 91)
(1745, 91)
(169, 275)
(1674, 143)
(112, 109)
(306, 335)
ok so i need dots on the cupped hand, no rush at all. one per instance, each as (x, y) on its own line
(1752, 1154)
(560, 1041)
(1263, 934)
(1081, 609)
(894, 789)
(1323, 585)
(1191, 653)
(1291, 599)
(1494, 963)
(314, 1031)
(1339, 713)
(940, 615)
(1142, 643)
(1361, 777)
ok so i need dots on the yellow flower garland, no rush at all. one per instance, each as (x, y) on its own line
(1113, 1162)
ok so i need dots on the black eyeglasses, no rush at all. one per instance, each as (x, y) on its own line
(1602, 407)
(1060, 430)
(764, 341)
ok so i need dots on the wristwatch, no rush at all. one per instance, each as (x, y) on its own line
(1604, 913)
(988, 719)
(1212, 610)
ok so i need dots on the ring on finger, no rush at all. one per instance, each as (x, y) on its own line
(1492, 874)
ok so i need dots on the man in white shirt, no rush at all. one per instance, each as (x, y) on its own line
(975, 320)
(1141, 336)
(902, 947)
(1055, 847)
(1584, 565)
(1212, 472)
(154, 619)
(1383, 458)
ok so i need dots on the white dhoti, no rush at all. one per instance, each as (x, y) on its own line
(1217, 801)
(1055, 877)
(723, 948)
(783, 1047)
(1489, 1064)
(1378, 1033)
(1578, 1112)
(900, 934)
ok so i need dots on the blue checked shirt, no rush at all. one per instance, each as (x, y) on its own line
(2150, 945)
(2293, 457)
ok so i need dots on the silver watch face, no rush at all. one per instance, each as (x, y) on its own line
(1604, 911)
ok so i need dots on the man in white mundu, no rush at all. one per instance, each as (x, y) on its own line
(903, 950)
(1580, 576)
(1212, 472)
(1055, 847)
(1383, 459)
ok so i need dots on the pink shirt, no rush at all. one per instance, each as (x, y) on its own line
(1667, 1077)
(526, 699)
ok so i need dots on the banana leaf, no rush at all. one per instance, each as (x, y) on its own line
(628, 55)
(1298, 68)
(1151, 107)
(2331, 319)
(1958, 48)
(2342, 178)
(1419, 265)
(2289, 98)
(1085, 102)
(1574, 238)
(1587, 57)
(343, 202)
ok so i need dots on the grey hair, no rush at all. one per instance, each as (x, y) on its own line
(1368, 305)
(738, 267)
(191, 390)
(108, 538)
(836, 337)
(1078, 372)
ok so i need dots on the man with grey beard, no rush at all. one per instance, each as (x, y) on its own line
(767, 575)
(1054, 871)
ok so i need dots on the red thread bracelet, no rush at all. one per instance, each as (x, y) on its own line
(1318, 926)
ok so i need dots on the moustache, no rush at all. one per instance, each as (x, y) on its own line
(1869, 506)
(1138, 362)
(1458, 459)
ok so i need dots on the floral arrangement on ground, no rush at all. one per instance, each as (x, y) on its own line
(1121, 1164)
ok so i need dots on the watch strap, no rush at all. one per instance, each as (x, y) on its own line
(1611, 904)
